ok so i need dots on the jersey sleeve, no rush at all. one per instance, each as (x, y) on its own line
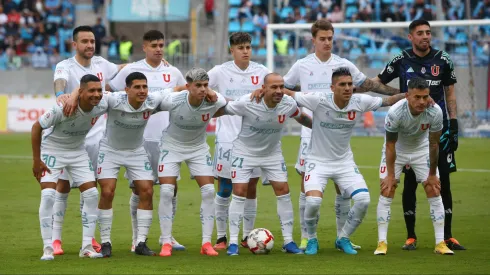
(293, 110)
(118, 83)
(391, 70)
(237, 107)
(357, 76)
(52, 117)
(111, 68)
(308, 100)
(449, 75)
(213, 78)
(369, 103)
(391, 122)
(166, 101)
(180, 78)
(292, 78)
(221, 101)
(62, 71)
(437, 120)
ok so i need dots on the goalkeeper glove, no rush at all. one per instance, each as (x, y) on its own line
(449, 140)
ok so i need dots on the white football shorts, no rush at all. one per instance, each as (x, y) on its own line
(76, 163)
(304, 148)
(273, 167)
(418, 161)
(136, 162)
(222, 161)
(199, 161)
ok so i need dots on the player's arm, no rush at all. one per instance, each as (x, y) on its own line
(388, 184)
(375, 85)
(71, 104)
(390, 100)
(434, 151)
(38, 166)
(304, 120)
(451, 101)
(450, 138)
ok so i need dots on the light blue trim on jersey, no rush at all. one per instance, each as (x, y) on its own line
(362, 82)
(52, 131)
(359, 191)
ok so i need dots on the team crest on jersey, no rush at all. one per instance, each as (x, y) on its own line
(307, 177)
(424, 127)
(281, 118)
(146, 115)
(166, 77)
(255, 79)
(94, 120)
(434, 70)
(351, 115)
(390, 70)
(160, 167)
(100, 76)
(422, 70)
(382, 169)
(233, 174)
(205, 117)
(219, 167)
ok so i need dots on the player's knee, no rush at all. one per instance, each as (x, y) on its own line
(362, 199)
(225, 187)
(63, 186)
(240, 189)
(313, 204)
(431, 191)
(281, 189)
(207, 192)
(146, 192)
(107, 193)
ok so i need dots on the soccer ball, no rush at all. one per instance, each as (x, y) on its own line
(260, 241)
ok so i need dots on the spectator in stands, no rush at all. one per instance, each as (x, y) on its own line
(40, 59)
(3, 60)
(281, 45)
(26, 18)
(54, 58)
(14, 17)
(9, 5)
(336, 16)
(125, 49)
(296, 3)
(282, 3)
(260, 21)
(323, 14)
(3, 16)
(52, 5)
(209, 10)
(67, 18)
(113, 49)
(174, 49)
(326, 4)
(99, 33)
(40, 7)
(97, 4)
(244, 11)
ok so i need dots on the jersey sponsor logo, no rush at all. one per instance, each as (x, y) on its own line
(146, 115)
(424, 127)
(430, 82)
(264, 131)
(160, 167)
(281, 118)
(100, 76)
(94, 120)
(422, 70)
(336, 125)
(75, 133)
(382, 169)
(166, 77)
(351, 115)
(318, 86)
(255, 79)
(434, 70)
(205, 117)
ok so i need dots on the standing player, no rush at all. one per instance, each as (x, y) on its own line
(258, 145)
(437, 69)
(234, 79)
(67, 78)
(313, 74)
(159, 76)
(334, 116)
(185, 141)
(63, 148)
(412, 138)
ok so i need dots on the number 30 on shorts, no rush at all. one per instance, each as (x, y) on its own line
(50, 161)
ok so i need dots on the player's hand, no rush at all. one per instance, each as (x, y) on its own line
(449, 140)
(211, 96)
(70, 106)
(257, 95)
(165, 62)
(38, 169)
(434, 182)
(61, 100)
(431, 102)
(388, 184)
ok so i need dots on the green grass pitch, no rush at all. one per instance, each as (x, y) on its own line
(22, 244)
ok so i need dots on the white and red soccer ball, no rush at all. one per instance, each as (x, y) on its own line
(260, 241)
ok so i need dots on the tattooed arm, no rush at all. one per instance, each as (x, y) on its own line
(375, 85)
(305, 120)
(434, 151)
(388, 184)
(390, 100)
(452, 107)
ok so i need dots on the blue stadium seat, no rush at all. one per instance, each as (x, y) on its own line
(354, 53)
(302, 11)
(462, 37)
(377, 64)
(351, 2)
(388, 2)
(233, 13)
(285, 12)
(461, 50)
(262, 52)
(395, 50)
(351, 10)
(256, 2)
(234, 2)
(255, 41)
(248, 26)
(302, 52)
(291, 52)
(233, 26)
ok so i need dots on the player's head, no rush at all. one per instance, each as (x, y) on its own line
(342, 85)
(153, 45)
(273, 87)
(84, 41)
(240, 46)
(136, 87)
(322, 36)
(197, 82)
(417, 95)
(90, 89)
(420, 35)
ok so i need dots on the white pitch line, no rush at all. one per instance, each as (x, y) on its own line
(9, 157)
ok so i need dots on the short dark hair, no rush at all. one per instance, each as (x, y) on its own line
(83, 28)
(270, 74)
(238, 38)
(321, 25)
(153, 35)
(342, 71)
(418, 83)
(416, 23)
(134, 76)
(88, 78)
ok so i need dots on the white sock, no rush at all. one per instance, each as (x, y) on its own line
(46, 215)
(174, 206)
(311, 213)
(165, 212)
(356, 214)
(342, 208)
(383, 217)
(302, 206)
(59, 209)
(144, 222)
(237, 206)
(81, 203)
(221, 213)
(207, 212)
(249, 215)
(105, 224)
(286, 216)
(437, 215)
(134, 200)
(89, 215)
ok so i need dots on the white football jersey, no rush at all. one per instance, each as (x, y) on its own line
(187, 128)
(413, 132)
(68, 133)
(230, 81)
(161, 77)
(125, 125)
(71, 71)
(316, 76)
(261, 126)
(332, 126)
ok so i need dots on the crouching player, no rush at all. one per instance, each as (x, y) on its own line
(63, 148)
(412, 138)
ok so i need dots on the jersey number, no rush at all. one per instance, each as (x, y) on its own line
(237, 162)
(50, 161)
(209, 162)
(225, 155)
(163, 154)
